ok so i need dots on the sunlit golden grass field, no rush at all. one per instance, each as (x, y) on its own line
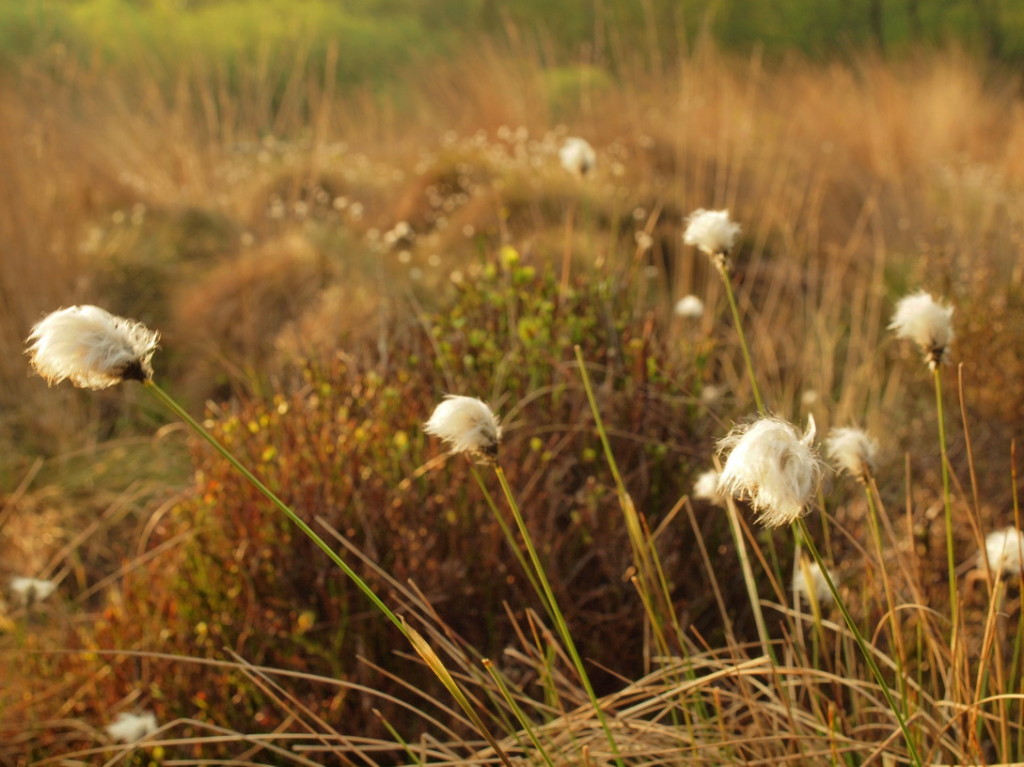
(324, 264)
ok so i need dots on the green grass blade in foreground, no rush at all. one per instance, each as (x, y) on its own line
(417, 641)
(519, 713)
(954, 607)
(556, 614)
(804, 534)
(649, 581)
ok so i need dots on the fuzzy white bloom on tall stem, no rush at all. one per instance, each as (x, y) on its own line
(91, 347)
(713, 232)
(808, 579)
(1005, 550)
(128, 728)
(926, 322)
(689, 307)
(852, 450)
(773, 467)
(467, 425)
(29, 591)
(577, 156)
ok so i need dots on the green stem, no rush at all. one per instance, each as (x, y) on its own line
(748, 580)
(556, 613)
(524, 720)
(890, 602)
(724, 274)
(861, 643)
(954, 608)
(644, 552)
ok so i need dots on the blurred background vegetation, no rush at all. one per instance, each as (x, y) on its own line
(374, 39)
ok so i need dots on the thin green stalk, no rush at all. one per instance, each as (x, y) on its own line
(509, 536)
(524, 720)
(724, 274)
(397, 737)
(748, 579)
(954, 608)
(642, 552)
(1015, 664)
(417, 641)
(556, 613)
(861, 643)
(890, 601)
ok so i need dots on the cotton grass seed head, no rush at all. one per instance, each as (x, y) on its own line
(29, 591)
(577, 156)
(467, 425)
(926, 322)
(1004, 549)
(706, 488)
(852, 450)
(712, 232)
(808, 579)
(689, 307)
(771, 466)
(128, 728)
(91, 347)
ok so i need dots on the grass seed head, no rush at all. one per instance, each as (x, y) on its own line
(91, 347)
(29, 591)
(577, 156)
(773, 467)
(706, 488)
(466, 425)
(689, 307)
(1004, 550)
(712, 232)
(808, 579)
(852, 450)
(926, 322)
(128, 728)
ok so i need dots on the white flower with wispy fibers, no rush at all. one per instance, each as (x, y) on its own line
(706, 488)
(30, 591)
(1005, 551)
(713, 232)
(577, 156)
(771, 466)
(853, 451)
(467, 425)
(808, 580)
(128, 728)
(91, 347)
(926, 322)
(689, 307)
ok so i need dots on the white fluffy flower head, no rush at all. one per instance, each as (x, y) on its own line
(808, 580)
(771, 466)
(852, 450)
(577, 156)
(712, 232)
(91, 347)
(689, 307)
(128, 728)
(1004, 549)
(31, 590)
(926, 322)
(467, 425)
(706, 488)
